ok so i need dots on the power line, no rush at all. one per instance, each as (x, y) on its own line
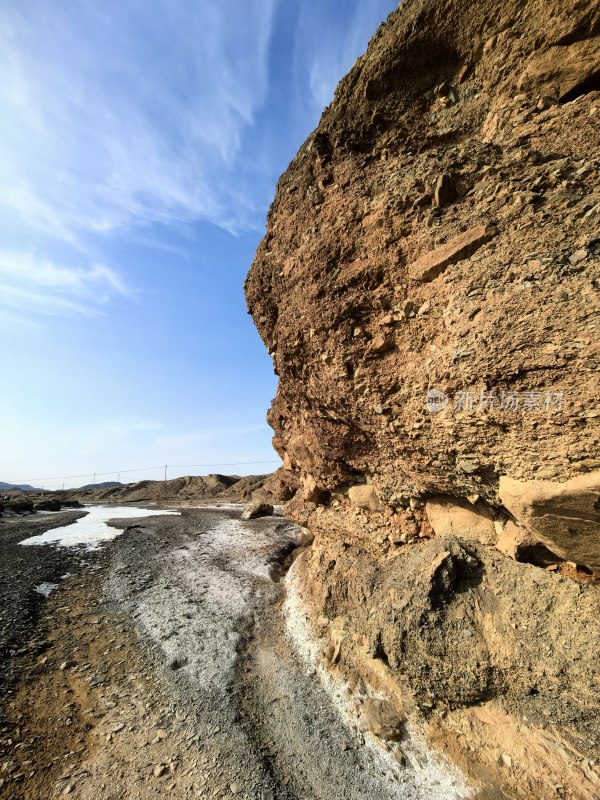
(224, 464)
(144, 469)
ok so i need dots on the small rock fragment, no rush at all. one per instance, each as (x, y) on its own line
(444, 190)
(578, 256)
(381, 344)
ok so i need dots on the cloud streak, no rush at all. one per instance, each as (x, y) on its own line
(328, 44)
(33, 284)
(121, 118)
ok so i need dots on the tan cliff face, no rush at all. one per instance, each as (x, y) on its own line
(429, 291)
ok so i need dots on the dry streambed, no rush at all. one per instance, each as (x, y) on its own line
(166, 667)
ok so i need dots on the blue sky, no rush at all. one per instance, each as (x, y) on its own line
(140, 146)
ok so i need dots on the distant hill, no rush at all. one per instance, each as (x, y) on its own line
(105, 485)
(24, 487)
(280, 486)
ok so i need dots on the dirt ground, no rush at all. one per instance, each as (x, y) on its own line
(22, 569)
(162, 667)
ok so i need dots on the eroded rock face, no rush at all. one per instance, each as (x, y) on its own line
(372, 286)
(428, 288)
(498, 657)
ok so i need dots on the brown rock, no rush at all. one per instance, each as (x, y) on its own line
(381, 344)
(254, 510)
(445, 191)
(455, 517)
(446, 616)
(383, 720)
(365, 496)
(565, 516)
(429, 266)
(521, 545)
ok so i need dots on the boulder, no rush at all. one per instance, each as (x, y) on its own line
(51, 504)
(453, 517)
(521, 545)
(254, 510)
(381, 344)
(564, 515)
(382, 719)
(365, 496)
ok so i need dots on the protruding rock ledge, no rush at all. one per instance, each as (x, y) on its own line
(429, 266)
(565, 515)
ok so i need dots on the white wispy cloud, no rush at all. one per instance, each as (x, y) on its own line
(116, 114)
(30, 283)
(327, 48)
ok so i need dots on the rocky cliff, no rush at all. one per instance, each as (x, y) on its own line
(428, 288)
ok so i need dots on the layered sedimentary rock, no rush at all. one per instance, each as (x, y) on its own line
(428, 288)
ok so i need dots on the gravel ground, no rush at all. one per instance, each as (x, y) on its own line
(167, 671)
(22, 569)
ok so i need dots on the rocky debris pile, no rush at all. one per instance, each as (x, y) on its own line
(429, 290)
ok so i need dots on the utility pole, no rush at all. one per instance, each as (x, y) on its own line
(165, 473)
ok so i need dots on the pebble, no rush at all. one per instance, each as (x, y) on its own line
(578, 256)
(505, 760)
(159, 770)
(235, 788)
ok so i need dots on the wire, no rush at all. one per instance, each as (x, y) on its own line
(144, 469)
(222, 464)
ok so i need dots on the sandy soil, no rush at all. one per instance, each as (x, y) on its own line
(163, 667)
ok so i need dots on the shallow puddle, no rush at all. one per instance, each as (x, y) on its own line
(92, 529)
